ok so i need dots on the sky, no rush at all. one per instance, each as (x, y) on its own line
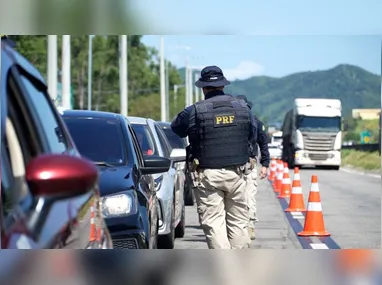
(273, 37)
(241, 57)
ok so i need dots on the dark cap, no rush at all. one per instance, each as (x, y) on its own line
(211, 76)
(243, 97)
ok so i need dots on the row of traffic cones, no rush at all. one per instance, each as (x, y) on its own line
(314, 219)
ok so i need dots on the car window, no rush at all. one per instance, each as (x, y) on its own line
(145, 139)
(18, 147)
(174, 140)
(136, 146)
(164, 143)
(6, 180)
(56, 139)
(98, 139)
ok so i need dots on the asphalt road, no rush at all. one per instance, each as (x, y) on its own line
(351, 206)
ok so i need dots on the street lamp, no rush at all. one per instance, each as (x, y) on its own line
(90, 70)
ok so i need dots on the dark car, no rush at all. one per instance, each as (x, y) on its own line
(49, 194)
(178, 142)
(129, 199)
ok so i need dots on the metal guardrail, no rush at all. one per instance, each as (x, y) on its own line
(370, 147)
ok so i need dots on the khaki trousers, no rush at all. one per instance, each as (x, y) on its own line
(251, 192)
(221, 199)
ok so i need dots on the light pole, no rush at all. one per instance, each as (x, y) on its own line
(52, 66)
(66, 96)
(90, 71)
(123, 74)
(162, 81)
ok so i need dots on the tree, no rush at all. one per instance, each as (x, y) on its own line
(143, 73)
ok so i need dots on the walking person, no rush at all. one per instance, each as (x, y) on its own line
(219, 129)
(262, 144)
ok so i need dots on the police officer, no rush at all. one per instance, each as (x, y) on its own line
(219, 129)
(262, 143)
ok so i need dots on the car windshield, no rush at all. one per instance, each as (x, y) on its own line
(98, 139)
(145, 139)
(277, 139)
(319, 124)
(175, 141)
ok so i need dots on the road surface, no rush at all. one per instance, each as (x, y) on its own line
(351, 206)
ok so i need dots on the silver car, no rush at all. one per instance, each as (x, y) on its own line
(170, 185)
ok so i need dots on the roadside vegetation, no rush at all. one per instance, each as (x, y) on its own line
(361, 160)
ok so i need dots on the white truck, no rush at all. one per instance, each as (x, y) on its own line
(275, 145)
(312, 133)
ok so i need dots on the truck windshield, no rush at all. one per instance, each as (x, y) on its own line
(318, 124)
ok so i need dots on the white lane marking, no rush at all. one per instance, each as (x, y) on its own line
(297, 215)
(23, 243)
(319, 246)
(378, 176)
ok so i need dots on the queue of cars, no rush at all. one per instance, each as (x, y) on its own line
(84, 179)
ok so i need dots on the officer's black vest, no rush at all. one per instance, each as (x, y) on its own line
(223, 127)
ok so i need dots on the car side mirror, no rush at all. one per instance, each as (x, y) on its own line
(155, 164)
(63, 176)
(178, 155)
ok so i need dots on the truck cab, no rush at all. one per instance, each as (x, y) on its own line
(312, 133)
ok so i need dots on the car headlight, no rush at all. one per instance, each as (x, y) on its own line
(158, 182)
(117, 205)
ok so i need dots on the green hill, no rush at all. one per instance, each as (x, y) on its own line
(273, 97)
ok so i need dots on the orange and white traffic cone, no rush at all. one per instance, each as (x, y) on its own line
(93, 230)
(279, 176)
(285, 184)
(272, 170)
(296, 203)
(314, 220)
(276, 167)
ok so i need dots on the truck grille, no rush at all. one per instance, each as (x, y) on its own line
(319, 141)
(125, 244)
(318, 156)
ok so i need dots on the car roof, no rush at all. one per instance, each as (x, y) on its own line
(164, 124)
(140, 120)
(92, 114)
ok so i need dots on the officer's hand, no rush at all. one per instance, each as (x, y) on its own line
(263, 172)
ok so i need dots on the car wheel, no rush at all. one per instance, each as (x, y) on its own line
(181, 227)
(168, 241)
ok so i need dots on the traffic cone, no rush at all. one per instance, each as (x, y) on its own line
(314, 219)
(276, 168)
(296, 203)
(279, 177)
(272, 171)
(93, 230)
(285, 184)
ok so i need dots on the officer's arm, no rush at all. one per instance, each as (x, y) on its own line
(252, 129)
(263, 145)
(184, 122)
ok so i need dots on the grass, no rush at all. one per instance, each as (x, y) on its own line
(363, 160)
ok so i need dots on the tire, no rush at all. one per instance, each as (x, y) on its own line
(335, 167)
(181, 227)
(168, 241)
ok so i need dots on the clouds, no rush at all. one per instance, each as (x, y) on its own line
(244, 70)
(181, 47)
